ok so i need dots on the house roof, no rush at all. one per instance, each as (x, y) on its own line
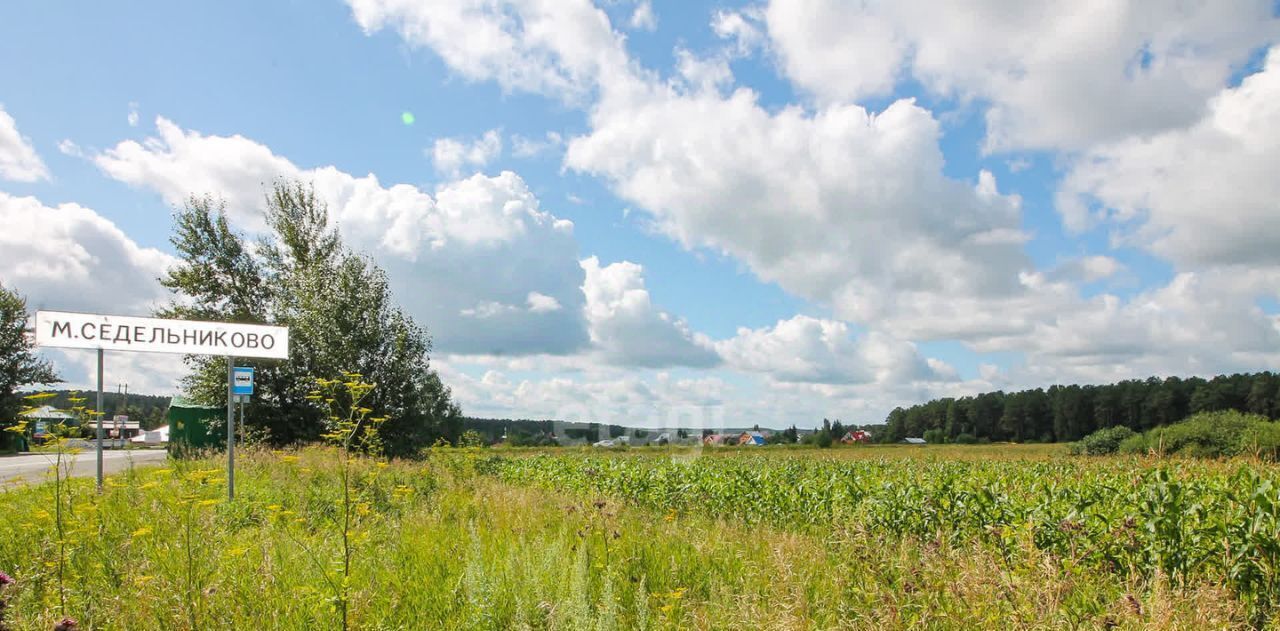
(48, 412)
(914, 441)
(183, 402)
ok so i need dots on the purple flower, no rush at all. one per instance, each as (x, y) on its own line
(5, 579)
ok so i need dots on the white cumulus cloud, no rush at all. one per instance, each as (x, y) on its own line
(628, 330)
(844, 206)
(451, 155)
(1205, 194)
(643, 17)
(811, 350)
(19, 161)
(1055, 74)
(450, 255)
(559, 48)
(69, 257)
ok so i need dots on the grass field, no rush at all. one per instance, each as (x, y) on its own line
(963, 537)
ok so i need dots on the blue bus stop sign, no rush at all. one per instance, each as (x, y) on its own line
(242, 381)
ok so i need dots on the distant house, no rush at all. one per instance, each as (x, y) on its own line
(715, 440)
(914, 441)
(751, 438)
(121, 427)
(41, 420)
(855, 437)
(603, 443)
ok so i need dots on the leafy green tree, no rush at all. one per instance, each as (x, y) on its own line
(339, 309)
(1262, 394)
(1012, 419)
(19, 366)
(837, 429)
(823, 439)
(957, 417)
(935, 436)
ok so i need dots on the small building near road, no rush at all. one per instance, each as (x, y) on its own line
(121, 427)
(40, 421)
(193, 426)
(157, 436)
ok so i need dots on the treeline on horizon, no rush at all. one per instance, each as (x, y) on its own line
(1068, 413)
(542, 433)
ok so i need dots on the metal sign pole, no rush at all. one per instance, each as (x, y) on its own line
(231, 431)
(99, 410)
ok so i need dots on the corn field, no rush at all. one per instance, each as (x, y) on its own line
(1184, 520)
(489, 540)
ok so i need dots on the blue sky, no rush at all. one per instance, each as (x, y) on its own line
(796, 209)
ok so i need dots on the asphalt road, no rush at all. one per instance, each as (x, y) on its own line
(35, 467)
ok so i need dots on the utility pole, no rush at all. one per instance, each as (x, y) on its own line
(231, 430)
(100, 412)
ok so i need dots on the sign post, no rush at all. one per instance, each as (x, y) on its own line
(239, 385)
(62, 329)
(99, 415)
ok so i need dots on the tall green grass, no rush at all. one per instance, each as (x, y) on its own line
(448, 545)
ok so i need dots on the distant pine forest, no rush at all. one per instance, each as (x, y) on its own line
(1068, 413)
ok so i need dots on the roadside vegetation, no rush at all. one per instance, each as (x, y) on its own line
(651, 539)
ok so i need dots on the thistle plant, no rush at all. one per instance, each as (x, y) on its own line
(350, 430)
(5, 581)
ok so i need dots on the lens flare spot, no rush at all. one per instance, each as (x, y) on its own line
(406, 118)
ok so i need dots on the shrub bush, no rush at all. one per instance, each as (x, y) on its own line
(1211, 435)
(1262, 440)
(1136, 444)
(1102, 442)
(965, 439)
(823, 439)
(935, 436)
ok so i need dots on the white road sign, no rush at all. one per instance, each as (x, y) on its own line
(154, 335)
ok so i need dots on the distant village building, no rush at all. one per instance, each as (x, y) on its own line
(716, 440)
(157, 436)
(914, 441)
(45, 416)
(856, 436)
(751, 438)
